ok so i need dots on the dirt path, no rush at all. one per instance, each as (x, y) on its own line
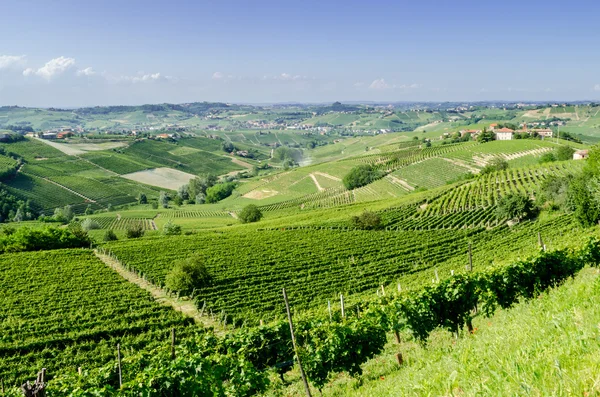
(319, 187)
(186, 307)
(333, 178)
(463, 164)
(402, 183)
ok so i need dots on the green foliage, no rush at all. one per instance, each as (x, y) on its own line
(329, 348)
(187, 275)
(361, 175)
(163, 199)
(284, 153)
(28, 239)
(587, 211)
(134, 230)
(367, 221)
(220, 191)
(485, 136)
(90, 224)
(554, 191)
(250, 213)
(109, 235)
(64, 215)
(170, 229)
(515, 206)
(142, 199)
(564, 153)
(494, 165)
(10, 205)
(547, 158)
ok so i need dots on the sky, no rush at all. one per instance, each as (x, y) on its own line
(65, 53)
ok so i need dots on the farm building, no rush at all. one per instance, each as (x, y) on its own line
(580, 155)
(546, 133)
(49, 135)
(504, 134)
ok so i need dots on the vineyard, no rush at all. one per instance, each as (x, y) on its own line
(250, 269)
(120, 223)
(65, 309)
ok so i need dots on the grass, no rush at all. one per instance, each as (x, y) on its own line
(544, 347)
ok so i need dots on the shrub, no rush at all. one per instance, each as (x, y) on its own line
(547, 158)
(495, 164)
(90, 224)
(360, 176)
(109, 235)
(564, 153)
(187, 275)
(134, 231)
(27, 239)
(515, 206)
(171, 229)
(143, 199)
(250, 213)
(367, 221)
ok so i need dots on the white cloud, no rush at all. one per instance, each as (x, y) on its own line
(380, 84)
(11, 61)
(597, 87)
(141, 77)
(86, 72)
(289, 77)
(218, 76)
(359, 84)
(52, 68)
(146, 78)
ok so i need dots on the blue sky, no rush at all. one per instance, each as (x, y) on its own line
(71, 53)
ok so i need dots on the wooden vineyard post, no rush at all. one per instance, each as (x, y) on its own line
(470, 258)
(172, 343)
(541, 242)
(342, 305)
(329, 309)
(79, 371)
(289, 314)
(399, 288)
(119, 362)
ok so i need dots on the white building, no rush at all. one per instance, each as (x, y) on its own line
(580, 155)
(504, 134)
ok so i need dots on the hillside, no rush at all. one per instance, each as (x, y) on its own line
(438, 204)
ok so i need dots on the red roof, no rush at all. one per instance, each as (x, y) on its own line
(504, 130)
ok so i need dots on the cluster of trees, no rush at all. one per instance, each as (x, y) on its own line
(288, 156)
(368, 220)
(28, 239)
(361, 175)
(13, 209)
(563, 153)
(578, 194)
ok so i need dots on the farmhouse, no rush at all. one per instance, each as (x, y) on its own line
(504, 134)
(49, 135)
(473, 133)
(546, 133)
(493, 126)
(64, 134)
(580, 155)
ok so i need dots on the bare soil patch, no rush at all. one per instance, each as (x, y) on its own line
(260, 194)
(164, 177)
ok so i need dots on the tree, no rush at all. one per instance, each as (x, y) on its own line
(515, 206)
(89, 210)
(587, 210)
(554, 191)
(368, 220)
(361, 175)
(250, 213)
(485, 136)
(218, 192)
(64, 215)
(18, 216)
(187, 275)
(143, 199)
(163, 199)
(200, 184)
(183, 192)
(228, 147)
(564, 153)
